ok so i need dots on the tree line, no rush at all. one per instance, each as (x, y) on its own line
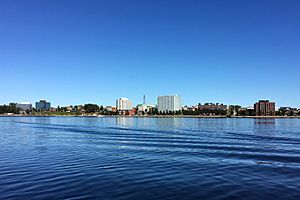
(11, 108)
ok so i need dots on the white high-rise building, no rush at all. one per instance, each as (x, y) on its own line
(169, 103)
(123, 104)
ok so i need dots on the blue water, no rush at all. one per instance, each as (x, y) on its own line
(149, 158)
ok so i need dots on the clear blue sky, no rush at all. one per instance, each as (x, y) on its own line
(76, 52)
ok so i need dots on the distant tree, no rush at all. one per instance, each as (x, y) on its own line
(251, 112)
(63, 109)
(101, 108)
(154, 111)
(90, 108)
(243, 113)
(11, 108)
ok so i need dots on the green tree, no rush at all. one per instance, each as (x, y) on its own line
(90, 108)
(101, 108)
(11, 108)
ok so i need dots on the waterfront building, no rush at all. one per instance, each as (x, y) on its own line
(189, 108)
(123, 104)
(71, 108)
(24, 106)
(264, 108)
(145, 109)
(42, 105)
(233, 109)
(169, 103)
(245, 111)
(142, 108)
(131, 112)
(79, 108)
(288, 111)
(51, 109)
(112, 109)
(212, 107)
(151, 108)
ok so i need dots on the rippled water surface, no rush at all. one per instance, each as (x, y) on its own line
(149, 158)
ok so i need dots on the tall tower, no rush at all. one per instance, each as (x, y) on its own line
(144, 100)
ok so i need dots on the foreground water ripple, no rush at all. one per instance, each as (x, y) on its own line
(149, 158)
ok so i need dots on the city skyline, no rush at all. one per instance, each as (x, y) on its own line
(231, 52)
(166, 105)
(124, 103)
(113, 102)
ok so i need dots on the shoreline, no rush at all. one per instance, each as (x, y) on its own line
(159, 116)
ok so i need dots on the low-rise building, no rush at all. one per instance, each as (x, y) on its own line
(70, 109)
(189, 108)
(288, 111)
(24, 106)
(212, 107)
(142, 108)
(112, 109)
(51, 109)
(233, 109)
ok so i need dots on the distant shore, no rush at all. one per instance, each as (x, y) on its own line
(152, 116)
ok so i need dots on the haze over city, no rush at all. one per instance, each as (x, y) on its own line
(233, 52)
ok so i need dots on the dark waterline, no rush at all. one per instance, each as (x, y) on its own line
(149, 158)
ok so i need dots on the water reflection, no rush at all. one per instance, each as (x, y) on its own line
(264, 126)
(160, 123)
(124, 121)
(264, 121)
(169, 123)
(42, 120)
(214, 124)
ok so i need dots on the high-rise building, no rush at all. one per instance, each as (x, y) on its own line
(142, 108)
(264, 108)
(24, 106)
(123, 104)
(42, 105)
(169, 103)
(144, 99)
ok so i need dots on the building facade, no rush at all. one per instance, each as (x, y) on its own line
(264, 108)
(42, 105)
(288, 111)
(111, 109)
(24, 106)
(169, 103)
(142, 108)
(212, 106)
(123, 104)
